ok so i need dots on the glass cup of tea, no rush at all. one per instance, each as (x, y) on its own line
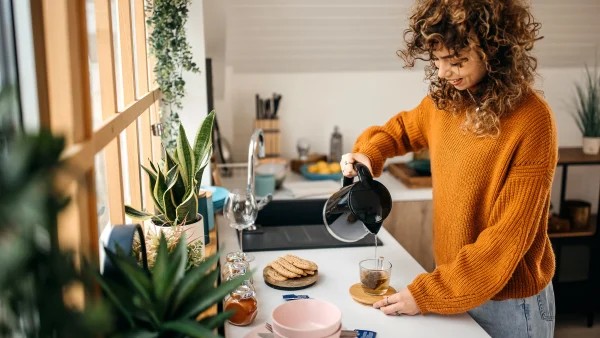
(375, 276)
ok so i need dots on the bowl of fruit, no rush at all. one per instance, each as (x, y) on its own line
(322, 171)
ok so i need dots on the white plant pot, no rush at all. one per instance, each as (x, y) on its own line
(591, 145)
(193, 231)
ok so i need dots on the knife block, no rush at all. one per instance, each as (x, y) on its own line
(270, 128)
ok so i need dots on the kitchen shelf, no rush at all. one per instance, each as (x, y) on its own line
(570, 155)
(574, 156)
(590, 231)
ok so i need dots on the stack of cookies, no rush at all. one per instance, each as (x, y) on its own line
(290, 266)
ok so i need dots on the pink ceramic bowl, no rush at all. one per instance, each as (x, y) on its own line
(336, 334)
(307, 318)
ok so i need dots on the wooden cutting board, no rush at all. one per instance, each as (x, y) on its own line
(292, 283)
(360, 296)
(408, 176)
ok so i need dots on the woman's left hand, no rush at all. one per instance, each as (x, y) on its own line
(401, 303)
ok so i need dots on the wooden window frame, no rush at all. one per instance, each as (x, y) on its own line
(61, 46)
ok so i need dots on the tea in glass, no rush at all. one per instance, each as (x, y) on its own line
(375, 276)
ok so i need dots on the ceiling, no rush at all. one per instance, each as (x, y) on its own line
(363, 35)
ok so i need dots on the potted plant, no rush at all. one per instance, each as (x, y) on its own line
(168, 44)
(175, 185)
(36, 271)
(169, 301)
(587, 111)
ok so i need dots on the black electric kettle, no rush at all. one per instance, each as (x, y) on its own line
(359, 208)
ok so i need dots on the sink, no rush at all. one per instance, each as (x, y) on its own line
(294, 225)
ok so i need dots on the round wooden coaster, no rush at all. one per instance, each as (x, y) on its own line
(360, 296)
(292, 283)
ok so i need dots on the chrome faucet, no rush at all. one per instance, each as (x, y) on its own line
(256, 138)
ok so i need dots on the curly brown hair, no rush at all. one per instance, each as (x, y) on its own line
(501, 32)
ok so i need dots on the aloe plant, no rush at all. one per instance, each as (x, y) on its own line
(587, 105)
(167, 302)
(175, 185)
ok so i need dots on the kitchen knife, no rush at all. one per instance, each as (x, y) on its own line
(276, 99)
(268, 108)
(261, 107)
(257, 98)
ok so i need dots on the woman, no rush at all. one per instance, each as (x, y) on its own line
(493, 150)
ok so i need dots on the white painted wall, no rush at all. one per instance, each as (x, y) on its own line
(195, 102)
(314, 102)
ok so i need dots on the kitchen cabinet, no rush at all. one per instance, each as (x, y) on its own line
(410, 223)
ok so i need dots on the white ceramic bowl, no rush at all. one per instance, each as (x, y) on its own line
(307, 318)
(278, 170)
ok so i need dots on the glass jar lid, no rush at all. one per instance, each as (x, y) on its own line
(244, 291)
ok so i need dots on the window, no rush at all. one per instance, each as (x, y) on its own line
(99, 96)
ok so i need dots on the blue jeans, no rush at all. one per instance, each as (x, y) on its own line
(531, 317)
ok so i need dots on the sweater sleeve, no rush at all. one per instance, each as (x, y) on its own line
(483, 268)
(401, 134)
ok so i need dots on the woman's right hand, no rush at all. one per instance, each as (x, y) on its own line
(347, 163)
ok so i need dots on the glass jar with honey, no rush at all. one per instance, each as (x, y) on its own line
(242, 302)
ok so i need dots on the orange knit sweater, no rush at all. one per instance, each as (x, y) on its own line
(491, 200)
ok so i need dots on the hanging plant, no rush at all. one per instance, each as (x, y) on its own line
(169, 45)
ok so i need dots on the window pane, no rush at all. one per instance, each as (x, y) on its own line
(102, 206)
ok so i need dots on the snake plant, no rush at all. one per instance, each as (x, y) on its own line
(175, 184)
(587, 105)
(167, 302)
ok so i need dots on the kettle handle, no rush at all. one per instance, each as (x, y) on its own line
(364, 175)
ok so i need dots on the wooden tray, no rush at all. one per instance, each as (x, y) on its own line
(360, 296)
(408, 176)
(292, 283)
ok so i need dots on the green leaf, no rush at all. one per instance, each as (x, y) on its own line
(151, 175)
(159, 194)
(170, 161)
(187, 210)
(201, 171)
(171, 177)
(185, 159)
(190, 328)
(191, 280)
(202, 300)
(178, 191)
(136, 214)
(168, 271)
(114, 296)
(215, 321)
(203, 144)
(161, 266)
(154, 167)
(138, 333)
(135, 274)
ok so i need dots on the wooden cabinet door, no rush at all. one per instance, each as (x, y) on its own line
(410, 223)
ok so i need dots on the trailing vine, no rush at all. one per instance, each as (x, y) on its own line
(168, 43)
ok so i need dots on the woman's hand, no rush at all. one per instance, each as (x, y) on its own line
(347, 163)
(401, 303)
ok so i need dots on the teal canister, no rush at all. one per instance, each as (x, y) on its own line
(205, 208)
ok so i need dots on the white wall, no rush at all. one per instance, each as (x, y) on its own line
(314, 102)
(195, 104)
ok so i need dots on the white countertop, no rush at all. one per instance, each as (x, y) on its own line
(338, 270)
(399, 191)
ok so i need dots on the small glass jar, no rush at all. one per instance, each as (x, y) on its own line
(242, 267)
(234, 268)
(234, 256)
(242, 302)
(248, 281)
